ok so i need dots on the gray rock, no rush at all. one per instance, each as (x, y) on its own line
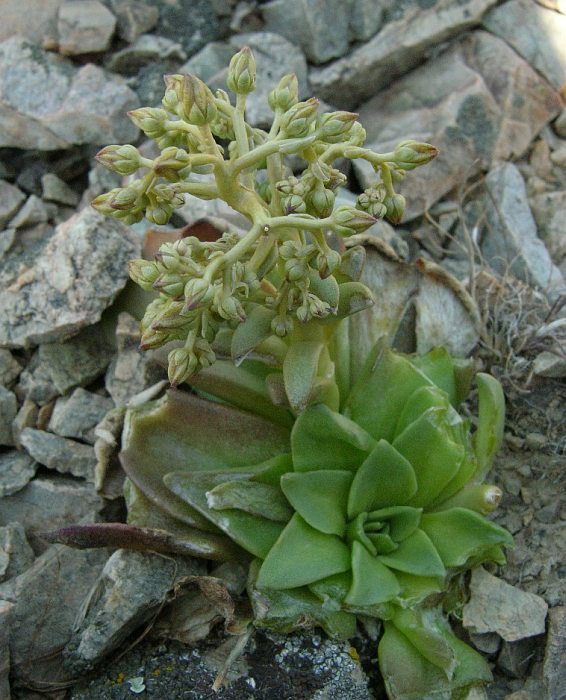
(522, 23)
(56, 190)
(49, 104)
(7, 239)
(34, 19)
(100, 180)
(34, 211)
(57, 368)
(495, 606)
(8, 411)
(366, 17)
(472, 113)
(15, 553)
(133, 586)
(45, 504)
(511, 240)
(554, 667)
(515, 658)
(46, 599)
(27, 417)
(133, 18)
(398, 47)
(11, 199)
(17, 469)
(5, 613)
(560, 124)
(147, 48)
(192, 23)
(84, 26)
(210, 60)
(549, 364)
(76, 416)
(56, 452)
(320, 28)
(10, 368)
(108, 474)
(77, 275)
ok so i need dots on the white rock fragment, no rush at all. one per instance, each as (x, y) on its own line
(84, 26)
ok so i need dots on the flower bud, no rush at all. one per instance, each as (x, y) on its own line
(173, 93)
(204, 352)
(144, 273)
(159, 213)
(124, 199)
(182, 364)
(241, 72)
(410, 154)
(282, 325)
(297, 120)
(170, 284)
(321, 201)
(317, 308)
(102, 202)
(294, 204)
(198, 101)
(285, 95)
(336, 126)
(171, 161)
(229, 308)
(124, 160)
(198, 292)
(151, 120)
(327, 262)
(349, 220)
(395, 206)
(371, 200)
(357, 135)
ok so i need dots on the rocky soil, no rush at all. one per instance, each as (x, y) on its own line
(483, 80)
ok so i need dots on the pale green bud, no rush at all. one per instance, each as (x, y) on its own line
(229, 307)
(144, 273)
(124, 198)
(198, 101)
(410, 154)
(327, 262)
(282, 325)
(159, 213)
(316, 307)
(172, 100)
(242, 72)
(395, 206)
(321, 201)
(297, 120)
(336, 179)
(336, 126)
(171, 162)
(357, 135)
(371, 200)
(204, 352)
(294, 204)
(285, 95)
(182, 364)
(350, 220)
(296, 269)
(152, 338)
(198, 292)
(151, 120)
(124, 160)
(170, 284)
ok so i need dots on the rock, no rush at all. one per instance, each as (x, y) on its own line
(77, 275)
(516, 658)
(10, 200)
(133, 18)
(27, 417)
(210, 60)
(56, 190)
(84, 26)
(320, 28)
(17, 469)
(7, 239)
(521, 23)
(8, 411)
(108, 474)
(133, 586)
(559, 157)
(366, 17)
(192, 23)
(77, 415)
(147, 48)
(131, 371)
(554, 667)
(400, 46)
(56, 368)
(55, 452)
(49, 104)
(100, 180)
(35, 20)
(560, 124)
(558, 5)
(46, 599)
(15, 553)
(10, 368)
(549, 364)
(511, 240)
(495, 606)
(5, 612)
(459, 104)
(34, 211)
(549, 210)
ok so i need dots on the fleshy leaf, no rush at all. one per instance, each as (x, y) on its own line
(372, 581)
(325, 289)
(402, 520)
(385, 478)
(416, 589)
(302, 555)
(252, 497)
(299, 371)
(249, 334)
(333, 589)
(420, 401)
(255, 534)
(180, 433)
(459, 534)
(270, 471)
(379, 395)
(491, 417)
(435, 457)
(415, 555)
(319, 497)
(450, 374)
(324, 439)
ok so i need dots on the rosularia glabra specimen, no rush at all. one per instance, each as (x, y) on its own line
(350, 499)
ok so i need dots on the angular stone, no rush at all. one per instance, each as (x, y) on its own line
(192, 23)
(549, 210)
(5, 613)
(55, 452)
(10, 368)
(84, 26)
(560, 124)
(522, 23)
(17, 469)
(8, 411)
(76, 416)
(77, 275)
(56, 190)
(35, 20)
(27, 417)
(11, 199)
(15, 553)
(516, 658)
(457, 102)
(511, 240)
(7, 239)
(495, 606)
(554, 667)
(549, 364)
(147, 48)
(366, 17)
(320, 28)
(398, 47)
(34, 211)
(133, 18)
(48, 104)
(46, 599)
(134, 585)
